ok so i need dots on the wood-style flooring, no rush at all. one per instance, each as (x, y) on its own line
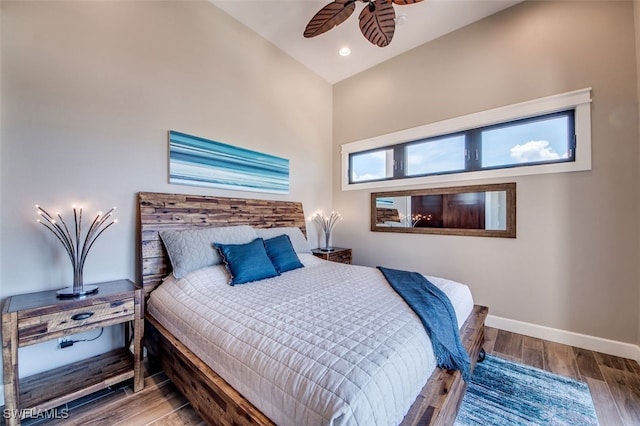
(614, 383)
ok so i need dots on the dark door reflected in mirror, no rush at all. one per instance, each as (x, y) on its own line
(478, 210)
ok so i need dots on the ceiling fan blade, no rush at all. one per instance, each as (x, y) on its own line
(377, 22)
(403, 2)
(331, 15)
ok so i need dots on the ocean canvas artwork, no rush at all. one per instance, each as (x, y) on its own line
(202, 162)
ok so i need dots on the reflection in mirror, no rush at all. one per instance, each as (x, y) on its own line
(482, 210)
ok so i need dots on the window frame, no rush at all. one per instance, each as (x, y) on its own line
(578, 101)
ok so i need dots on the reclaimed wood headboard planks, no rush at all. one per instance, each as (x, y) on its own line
(160, 211)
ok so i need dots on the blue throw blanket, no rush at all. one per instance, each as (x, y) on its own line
(434, 309)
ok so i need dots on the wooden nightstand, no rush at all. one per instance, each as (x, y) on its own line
(339, 254)
(37, 317)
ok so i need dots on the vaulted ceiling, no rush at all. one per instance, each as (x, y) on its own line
(282, 22)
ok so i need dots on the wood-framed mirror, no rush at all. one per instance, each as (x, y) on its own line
(473, 210)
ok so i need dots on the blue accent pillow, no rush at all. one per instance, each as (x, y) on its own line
(282, 255)
(247, 262)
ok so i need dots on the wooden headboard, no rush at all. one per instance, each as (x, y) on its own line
(158, 212)
(387, 215)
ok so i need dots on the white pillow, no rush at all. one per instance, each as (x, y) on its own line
(193, 249)
(298, 241)
(395, 224)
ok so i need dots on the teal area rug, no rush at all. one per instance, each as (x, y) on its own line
(503, 393)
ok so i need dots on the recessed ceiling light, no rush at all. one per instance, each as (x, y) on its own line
(344, 51)
(402, 19)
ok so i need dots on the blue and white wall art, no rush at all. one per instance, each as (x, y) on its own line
(203, 162)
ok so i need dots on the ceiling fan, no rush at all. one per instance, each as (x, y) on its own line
(377, 19)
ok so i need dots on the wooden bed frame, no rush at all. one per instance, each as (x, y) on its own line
(214, 399)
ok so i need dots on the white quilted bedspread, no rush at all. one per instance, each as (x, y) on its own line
(327, 344)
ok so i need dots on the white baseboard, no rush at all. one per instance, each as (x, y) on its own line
(611, 347)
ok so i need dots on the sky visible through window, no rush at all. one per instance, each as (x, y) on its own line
(369, 165)
(544, 140)
(519, 143)
(442, 155)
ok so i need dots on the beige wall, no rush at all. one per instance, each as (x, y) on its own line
(573, 265)
(90, 90)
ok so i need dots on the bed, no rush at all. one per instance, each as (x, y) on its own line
(198, 371)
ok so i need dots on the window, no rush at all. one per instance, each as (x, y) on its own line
(546, 139)
(539, 136)
(538, 140)
(437, 155)
(371, 165)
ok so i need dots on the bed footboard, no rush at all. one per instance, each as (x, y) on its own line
(441, 396)
(213, 398)
(218, 403)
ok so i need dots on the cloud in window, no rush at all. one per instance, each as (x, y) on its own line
(369, 166)
(533, 151)
(367, 176)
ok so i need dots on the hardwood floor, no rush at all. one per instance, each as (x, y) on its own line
(614, 383)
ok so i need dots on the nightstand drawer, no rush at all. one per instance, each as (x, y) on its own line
(47, 326)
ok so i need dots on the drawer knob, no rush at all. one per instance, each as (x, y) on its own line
(82, 316)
